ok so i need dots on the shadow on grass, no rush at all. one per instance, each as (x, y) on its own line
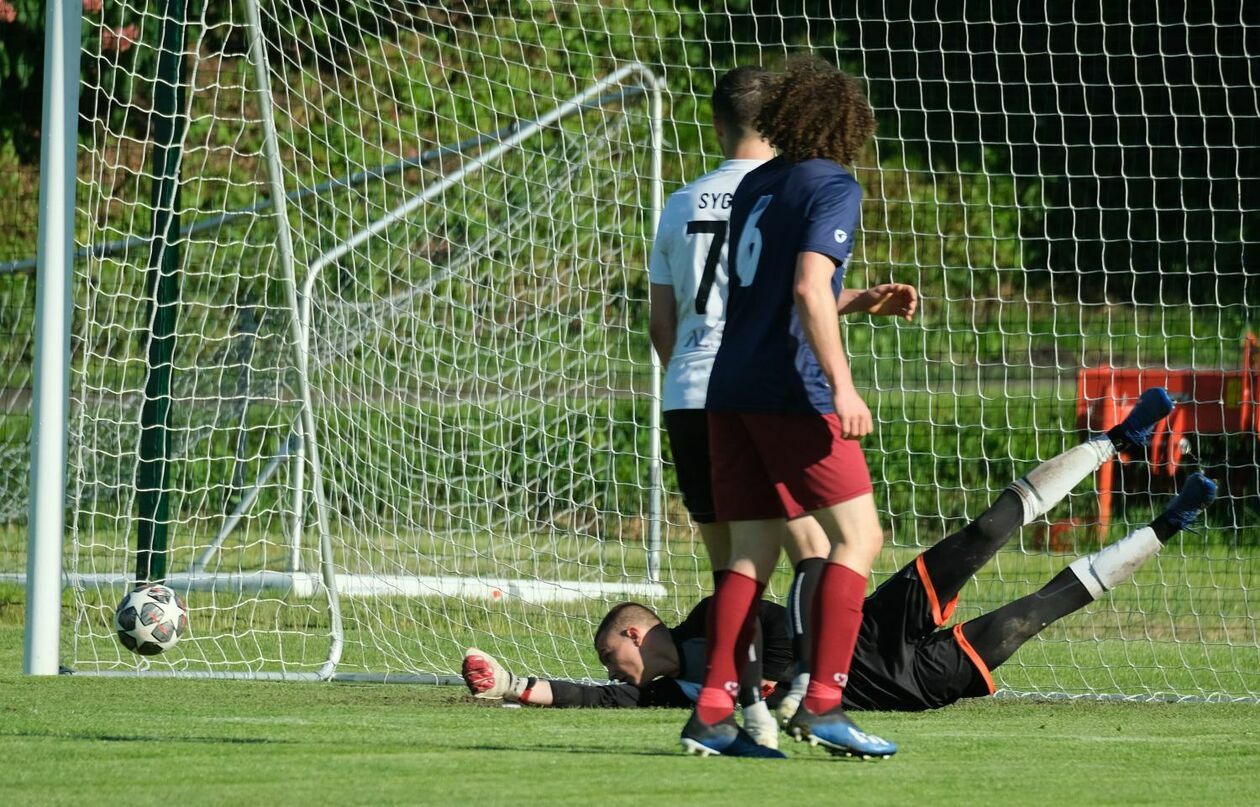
(560, 749)
(138, 738)
(618, 752)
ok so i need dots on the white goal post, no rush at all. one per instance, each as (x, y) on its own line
(358, 357)
(631, 86)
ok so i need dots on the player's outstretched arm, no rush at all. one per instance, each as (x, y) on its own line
(487, 679)
(884, 300)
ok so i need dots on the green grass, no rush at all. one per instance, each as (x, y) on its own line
(1184, 626)
(76, 740)
(220, 742)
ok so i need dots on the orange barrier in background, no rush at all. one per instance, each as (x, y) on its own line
(1208, 402)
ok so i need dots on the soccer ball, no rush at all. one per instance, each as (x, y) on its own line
(150, 619)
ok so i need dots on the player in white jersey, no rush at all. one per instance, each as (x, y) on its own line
(688, 299)
(688, 274)
(689, 286)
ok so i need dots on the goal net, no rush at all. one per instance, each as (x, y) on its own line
(411, 396)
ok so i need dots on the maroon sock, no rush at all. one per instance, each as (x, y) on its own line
(837, 618)
(731, 616)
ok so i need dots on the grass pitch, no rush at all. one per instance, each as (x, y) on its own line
(82, 740)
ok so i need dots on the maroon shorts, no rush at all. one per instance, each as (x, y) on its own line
(780, 466)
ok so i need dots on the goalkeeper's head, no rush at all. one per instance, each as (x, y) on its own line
(736, 103)
(634, 645)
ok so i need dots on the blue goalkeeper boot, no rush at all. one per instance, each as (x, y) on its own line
(1197, 492)
(1136, 429)
(834, 731)
(724, 738)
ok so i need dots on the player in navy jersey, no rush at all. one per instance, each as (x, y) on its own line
(904, 660)
(688, 273)
(783, 412)
(688, 301)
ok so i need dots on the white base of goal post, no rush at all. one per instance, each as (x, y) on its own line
(305, 584)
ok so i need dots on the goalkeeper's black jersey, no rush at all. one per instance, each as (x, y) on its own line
(902, 661)
(682, 690)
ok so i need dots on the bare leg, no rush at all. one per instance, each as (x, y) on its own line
(755, 547)
(854, 532)
(805, 539)
(717, 542)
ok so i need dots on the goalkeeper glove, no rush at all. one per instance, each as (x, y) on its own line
(487, 679)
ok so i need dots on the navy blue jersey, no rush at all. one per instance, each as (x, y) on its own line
(780, 210)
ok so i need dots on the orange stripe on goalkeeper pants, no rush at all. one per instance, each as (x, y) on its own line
(939, 615)
(975, 658)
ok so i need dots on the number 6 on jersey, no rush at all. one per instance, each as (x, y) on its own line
(748, 251)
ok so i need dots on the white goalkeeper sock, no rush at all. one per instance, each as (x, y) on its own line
(792, 700)
(800, 685)
(760, 724)
(1112, 565)
(1051, 481)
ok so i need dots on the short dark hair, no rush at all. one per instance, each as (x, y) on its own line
(815, 110)
(623, 615)
(737, 97)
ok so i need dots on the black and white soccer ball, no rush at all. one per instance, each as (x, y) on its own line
(150, 619)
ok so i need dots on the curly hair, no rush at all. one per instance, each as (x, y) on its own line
(814, 110)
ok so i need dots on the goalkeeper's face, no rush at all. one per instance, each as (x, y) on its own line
(622, 655)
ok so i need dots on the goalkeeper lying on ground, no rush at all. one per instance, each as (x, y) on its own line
(903, 660)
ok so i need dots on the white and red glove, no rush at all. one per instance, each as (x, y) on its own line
(487, 679)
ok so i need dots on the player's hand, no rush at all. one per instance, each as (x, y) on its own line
(853, 414)
(893, 300)
(486, 678)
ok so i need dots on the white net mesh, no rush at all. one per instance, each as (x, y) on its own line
(479, 370)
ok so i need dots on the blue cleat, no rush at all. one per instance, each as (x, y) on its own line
(722, 739)
(1136, 429)
(834, 731)
(1196, 493)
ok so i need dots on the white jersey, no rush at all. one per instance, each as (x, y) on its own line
(690, 255)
